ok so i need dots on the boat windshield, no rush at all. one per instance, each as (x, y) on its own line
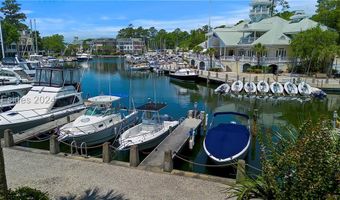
(99, 111)
(151, 118)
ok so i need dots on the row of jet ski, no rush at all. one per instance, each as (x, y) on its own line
(275, 88)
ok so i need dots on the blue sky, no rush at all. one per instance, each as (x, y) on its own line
(103, 18)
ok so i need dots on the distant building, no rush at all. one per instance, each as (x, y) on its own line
(130, 45)
(23, 47)
(234, 45)
(104, 42)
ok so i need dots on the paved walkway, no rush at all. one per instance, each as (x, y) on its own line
(70, 178)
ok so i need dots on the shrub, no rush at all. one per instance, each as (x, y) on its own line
(302, 165)
(27, 193)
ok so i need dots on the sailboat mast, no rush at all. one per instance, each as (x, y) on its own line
(32, 37)
(36, 37)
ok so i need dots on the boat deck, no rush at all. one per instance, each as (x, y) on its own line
(174, 141)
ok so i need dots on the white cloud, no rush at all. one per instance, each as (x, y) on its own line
(106, 18)
(27, 12)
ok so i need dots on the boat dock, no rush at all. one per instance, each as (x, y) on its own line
(173, 142)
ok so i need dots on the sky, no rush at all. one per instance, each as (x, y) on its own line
(104, 18)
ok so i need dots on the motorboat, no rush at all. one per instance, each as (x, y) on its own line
(304, 89)
(55, 94)
(237, 86)
(11, 94)
(223, 89)
(83, 57)
(139, 67)
(16, 75)
(185, 74)
(226, 142)
(35, 61)
(250, 87)
(276, 88)
(16, 62)
(291, 88)
(263, 87)
(151, 131)
(102, 121)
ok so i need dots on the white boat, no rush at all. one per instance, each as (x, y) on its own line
(35, 61)
(276, 88)
(304, 89)
(250, 87)
(237, 86)
(223, 89)
(291, 88)
(318, 93)
(15, 75)
(139, 67)
(184, 74)
(11, 94)
(15, 62)
(150, 132)
(101, 122)
(262, 87)
(83, 57)
(54, 95)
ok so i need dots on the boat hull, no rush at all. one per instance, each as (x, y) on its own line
(102, 135)
(191, 78)
(29, 124)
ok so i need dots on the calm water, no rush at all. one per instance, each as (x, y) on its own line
(109, 76)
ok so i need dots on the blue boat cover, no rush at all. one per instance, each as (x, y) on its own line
(226, 140)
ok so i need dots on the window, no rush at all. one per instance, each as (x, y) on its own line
(66, 101)
(281, 52)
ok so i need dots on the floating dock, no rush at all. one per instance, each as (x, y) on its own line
(174, 142)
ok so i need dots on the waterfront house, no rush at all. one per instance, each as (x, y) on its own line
(234, 45)
(23, 47)
(130, 45)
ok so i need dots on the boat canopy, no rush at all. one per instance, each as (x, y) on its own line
(151, 106)
(104, 99)
(57, 76)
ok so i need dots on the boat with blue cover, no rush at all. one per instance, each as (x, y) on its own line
(227, 141)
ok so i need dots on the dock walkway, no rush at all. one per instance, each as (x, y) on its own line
(67, 178)
(174, 141)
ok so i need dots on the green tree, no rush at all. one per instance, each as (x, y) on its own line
(10, 33)
(211, 52)
(311, 46)
(197, 50)
(54, 43)
(328, 13)
(285, 15)
(283, 4)
(3, 182)
(259, 50)
(11, 10)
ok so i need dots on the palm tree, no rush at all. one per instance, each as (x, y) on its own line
(259, 50)
(3, 183)
(211, 53)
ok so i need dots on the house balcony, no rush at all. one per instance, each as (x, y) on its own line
(253, 60)
(259, 11)
(247, 40)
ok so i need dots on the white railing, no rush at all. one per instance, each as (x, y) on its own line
(253, 59)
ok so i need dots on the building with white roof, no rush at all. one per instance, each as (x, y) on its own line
(234, 45)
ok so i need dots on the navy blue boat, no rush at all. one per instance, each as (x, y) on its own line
(226, 142)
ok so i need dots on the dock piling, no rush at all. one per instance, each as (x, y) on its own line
(8, 137)
(134, 156)
(168, 162)
(335, 118)
(54, 144)
(255, 79)
(106, 152)
(216, 74)
(268, 80)
(226, 77)
(238, 77)
(244, 80)
(241, 170)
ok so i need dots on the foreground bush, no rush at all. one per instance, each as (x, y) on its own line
(26, 193)
(304, 165)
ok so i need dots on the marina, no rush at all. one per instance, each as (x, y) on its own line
(99, 102)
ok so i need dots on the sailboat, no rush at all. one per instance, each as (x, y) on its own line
(237, 86)
(276, 88)
(223, 89)
(291, 88)
(304, 89)
(250, 87)
(262, 87)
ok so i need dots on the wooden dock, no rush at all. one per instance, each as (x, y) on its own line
(36, 131)
(174, 142)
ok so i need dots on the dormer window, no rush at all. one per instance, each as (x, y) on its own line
(282, 37)
(246, 26)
